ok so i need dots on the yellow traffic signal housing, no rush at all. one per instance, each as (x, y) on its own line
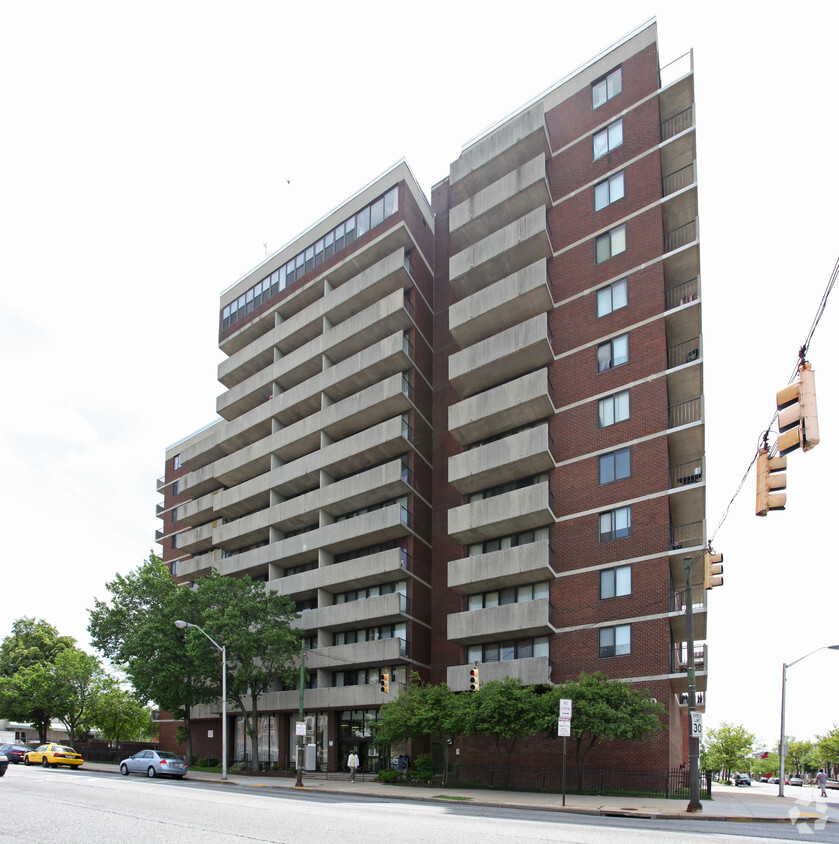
(474, 678)
(713, 570)
(384, 680)
(798, 421)
(768, 479)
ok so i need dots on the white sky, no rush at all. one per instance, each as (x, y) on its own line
(144, 161)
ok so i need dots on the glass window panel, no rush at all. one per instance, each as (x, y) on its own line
(622, 639)
(601, 248)
(623, 580)
(507, 596)
(604, 301)
(607, 583)
(614, 83)
(619, 299)
(491, 599)
(491, 653)
(476, 602)
(600, 143)
(601, 195)
(391, 201)
(616, 187)
(524, 593)
(622, 406)
(474, 653)
(598, 93)
(605, 525)
(508, 651)
(622, 464)
(618, 237)
(606, 412)
(377, 212)
(362, 222)
(604, 357)
(620, 346)
(623, 521)
(524, 649)
(540, 646)
(541, 590)
(606, 472)
(606, 638)
(615, 132)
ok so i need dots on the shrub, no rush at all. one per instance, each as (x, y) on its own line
(388, 776)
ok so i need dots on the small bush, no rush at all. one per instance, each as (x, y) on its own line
(388, 776)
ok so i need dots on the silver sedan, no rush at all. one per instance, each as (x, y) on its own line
(154, 763)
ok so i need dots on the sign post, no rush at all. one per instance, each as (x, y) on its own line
(564, 729)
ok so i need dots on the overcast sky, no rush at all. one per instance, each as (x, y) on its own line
(146, 157)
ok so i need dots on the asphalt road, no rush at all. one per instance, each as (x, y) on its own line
(46, 805)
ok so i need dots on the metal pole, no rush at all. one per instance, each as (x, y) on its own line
(300, 739)
(564, 747)
(693, 742)
(224, 713)
(781, 756)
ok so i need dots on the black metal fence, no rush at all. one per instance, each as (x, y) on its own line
(594, 780)
(101, 753)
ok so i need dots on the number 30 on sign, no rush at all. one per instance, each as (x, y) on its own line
(696, 725)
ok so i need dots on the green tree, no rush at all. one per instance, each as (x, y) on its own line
(136, 630)
(505, 710)
(26, 658)
(728, 748)
(799, 756)
(827, 747)
(423, 710)
(254, 624)
(120, 715)
(603, 710)
(77, 678)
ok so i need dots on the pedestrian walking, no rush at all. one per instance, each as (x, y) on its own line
(821, 779)
(352, 764)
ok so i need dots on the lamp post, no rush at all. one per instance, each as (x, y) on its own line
(223, 649)
(694, 804)
(781, 754)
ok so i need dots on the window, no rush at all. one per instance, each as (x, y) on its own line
(609, 244)
(615, 524)
(611, 298)
(507, 650)
(176, 461)
(608, 191)
(613, 353)
(613, 409)
(604, 89)
(614, 466)
(616, 582)
(607, 139)
(614, 641)
(176, 487)
(174, 541)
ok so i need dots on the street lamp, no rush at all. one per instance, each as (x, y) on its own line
(781, 754)
(223, 648)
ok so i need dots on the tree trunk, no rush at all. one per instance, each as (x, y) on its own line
(254, 720)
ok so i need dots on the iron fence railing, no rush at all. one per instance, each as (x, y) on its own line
(681, 294)
(680, 236)
(677, 180)
(686, 536)
(684, 413)
(682, 353)
(678, 603)
(679, 658)
(677, 123)
(685, 474)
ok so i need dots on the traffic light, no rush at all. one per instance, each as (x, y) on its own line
(474, 678)
(768, 479)
(713, 570)
(384, 680)
(798, 421)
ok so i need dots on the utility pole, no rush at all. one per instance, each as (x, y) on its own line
(693, 742)
(301, 739)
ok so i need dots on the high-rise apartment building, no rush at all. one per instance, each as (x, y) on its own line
(472, 430)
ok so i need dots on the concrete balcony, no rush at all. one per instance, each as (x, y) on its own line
(687, 492)
(510, 512)
(517, 141)
(243, 498)
(371, 612)
(678, 613)
(198, 511)
(382, 483)
(198, 566)
(336, 697)
(301, 586)
(528, 452)
(683, 701)
(201, 482)
(244, 531)
(685, 376)
(223, 438)
(533, 671)
(196, 540)
(529, 563)
(365, 408)
(679, 668)
(382, 525)
(501, 305)
(512, 196)
(505, 356)
(687, 539)
(373, 569)
(501, 254)
(511, 621)
(502, 408)
(378, 652)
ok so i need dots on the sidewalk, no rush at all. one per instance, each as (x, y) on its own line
(729, 803)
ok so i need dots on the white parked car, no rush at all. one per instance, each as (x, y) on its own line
(154, 763)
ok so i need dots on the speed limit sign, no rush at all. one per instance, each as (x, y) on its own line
(696, 725)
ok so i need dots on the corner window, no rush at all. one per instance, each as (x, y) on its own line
(605, 88)
(611, 298)
(616, 582)
(176, 461)
(608, 191)
(613, 353)
(614, 466)
(615, 524)
(607, 139)
(609, 244)
(614, 641)
(613, 409)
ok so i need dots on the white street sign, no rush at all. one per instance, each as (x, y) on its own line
(301, 728)
(563, 727)
(565, 707)
(696, 725)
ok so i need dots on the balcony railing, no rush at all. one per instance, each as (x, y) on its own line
(679, 658)
(684, 413)
(687, 473)
(680, 236)
(700, 699)
(678, 603)
(677, 123)
(678, 180)
(683, 353)
(681, 294)
(687, 536)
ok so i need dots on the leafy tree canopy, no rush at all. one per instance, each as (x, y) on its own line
(728, 748)
(827, 747)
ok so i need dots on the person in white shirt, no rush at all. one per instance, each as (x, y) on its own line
(352, 764)
(821, 779)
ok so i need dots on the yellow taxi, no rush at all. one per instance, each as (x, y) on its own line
(53, 755)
